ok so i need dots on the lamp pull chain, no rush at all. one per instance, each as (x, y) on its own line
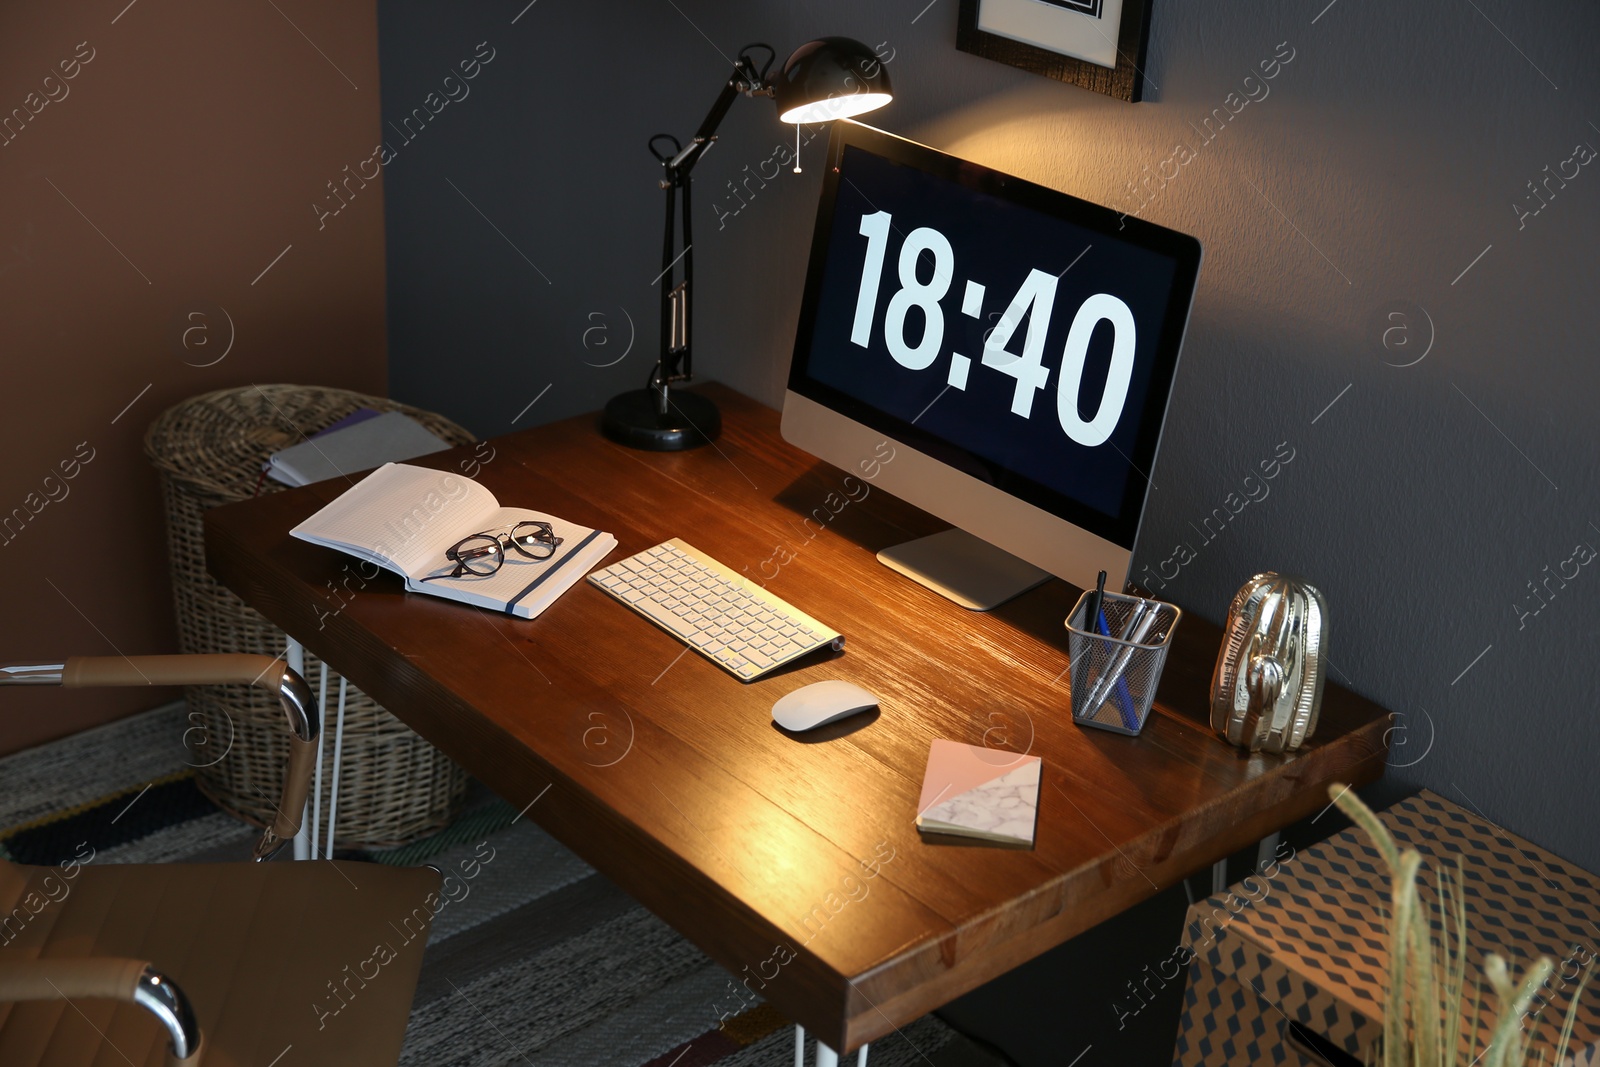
(797, 148)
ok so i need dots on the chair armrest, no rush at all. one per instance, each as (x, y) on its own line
(266, 672)
(109, 978)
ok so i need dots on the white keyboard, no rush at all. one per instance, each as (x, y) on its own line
(714, 610)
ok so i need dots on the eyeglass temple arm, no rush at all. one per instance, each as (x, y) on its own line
(265, 672)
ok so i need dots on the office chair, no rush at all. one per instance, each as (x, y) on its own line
(214, 964)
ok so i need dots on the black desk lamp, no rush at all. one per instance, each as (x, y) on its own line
(829, 78)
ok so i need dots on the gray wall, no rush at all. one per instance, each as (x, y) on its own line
(1385, 160)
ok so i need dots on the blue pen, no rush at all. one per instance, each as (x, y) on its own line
(1124, 697)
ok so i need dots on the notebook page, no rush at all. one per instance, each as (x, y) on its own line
(402, 516)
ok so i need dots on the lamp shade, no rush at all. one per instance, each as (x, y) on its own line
(830, 78)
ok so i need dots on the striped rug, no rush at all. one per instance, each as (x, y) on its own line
(537, 961)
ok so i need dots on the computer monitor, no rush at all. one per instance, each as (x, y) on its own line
(1010, 347)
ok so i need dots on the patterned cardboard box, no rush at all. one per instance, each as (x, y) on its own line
(1306, 939)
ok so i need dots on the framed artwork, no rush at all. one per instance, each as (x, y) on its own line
(1095, 44)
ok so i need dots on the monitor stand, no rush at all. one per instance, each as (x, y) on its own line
(964, 568)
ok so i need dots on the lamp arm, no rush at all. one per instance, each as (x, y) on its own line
(745, 80)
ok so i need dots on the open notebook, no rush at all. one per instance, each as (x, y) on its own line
(403, 518)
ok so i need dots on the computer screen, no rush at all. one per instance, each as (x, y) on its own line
(1017, 335)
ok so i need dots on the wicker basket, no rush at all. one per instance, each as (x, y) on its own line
(394, 787)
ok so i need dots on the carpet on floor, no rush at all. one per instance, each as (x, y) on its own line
(537, 960)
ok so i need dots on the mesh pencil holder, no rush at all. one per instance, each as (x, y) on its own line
(1114, 678)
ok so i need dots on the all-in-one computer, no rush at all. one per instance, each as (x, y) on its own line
(1017, 345)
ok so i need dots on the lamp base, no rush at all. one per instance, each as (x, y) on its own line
(631, 419)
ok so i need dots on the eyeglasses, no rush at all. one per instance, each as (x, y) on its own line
(482, 554)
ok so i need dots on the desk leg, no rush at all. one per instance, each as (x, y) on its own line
(338, 749)
(1267, 851)
(303, 848)
(316, 783)
(826, 1057)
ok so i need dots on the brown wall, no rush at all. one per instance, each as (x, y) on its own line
(192, 145)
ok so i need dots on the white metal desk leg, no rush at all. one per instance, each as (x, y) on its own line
(316, 782)
(1219, 874)
(296, 655)
(1267, 851)
(338, 749)
(826, 1057)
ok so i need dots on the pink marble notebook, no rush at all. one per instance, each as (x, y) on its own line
(978, 792)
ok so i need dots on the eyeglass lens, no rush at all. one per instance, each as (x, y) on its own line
(536, 540)
(479, 554)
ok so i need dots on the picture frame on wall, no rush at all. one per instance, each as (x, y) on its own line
(1098, 45)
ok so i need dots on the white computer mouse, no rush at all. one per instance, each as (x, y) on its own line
(813, 705)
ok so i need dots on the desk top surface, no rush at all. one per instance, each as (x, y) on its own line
(795, 863)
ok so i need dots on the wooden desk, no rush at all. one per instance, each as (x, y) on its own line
(794, 864)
